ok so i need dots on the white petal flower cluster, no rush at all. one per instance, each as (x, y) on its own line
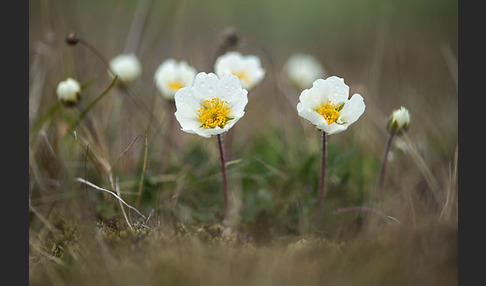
(303, 69)
(247, 68)
(127, 67)
(211, 105)
(69, 92)
(327, 106)
(171, 76)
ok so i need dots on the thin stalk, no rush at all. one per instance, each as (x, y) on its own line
(169, 136)
(223, 172)
(88, 121)
(384, 160)
(137, 28)
(320, 198)
(98, 54)
(140, 186)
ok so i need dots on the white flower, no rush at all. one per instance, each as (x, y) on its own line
(327, 106)
(247, 68)
(69, 92)
(399, 121)
(171, 76)
(302, 70)
(212, 105)
(127, 67)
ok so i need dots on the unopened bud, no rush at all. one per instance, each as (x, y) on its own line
(127, 67)
(72, 38)
(230, 37)
(69, 92)
(399, 121)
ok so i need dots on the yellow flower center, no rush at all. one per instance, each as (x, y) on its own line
(176, 85)
(330, 112)
(214, 113)
(242, 75)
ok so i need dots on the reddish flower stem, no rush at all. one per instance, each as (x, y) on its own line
(223, 173)
(384, 160)
(320, 198)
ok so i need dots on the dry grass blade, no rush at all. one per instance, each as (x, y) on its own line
(424, 168)
(385, 217)
(124, 151)
(117, 188)
(450, 206)
(81, 180)
(140, 186)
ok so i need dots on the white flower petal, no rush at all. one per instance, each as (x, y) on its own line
(333, 128)
(229, 89)
(353, 109)
(311, 115)
(204, 86)
(337, 90)
(316, 96)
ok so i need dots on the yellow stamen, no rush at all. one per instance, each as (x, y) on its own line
(330, 112)
(214, 113)
(176, 85)
(242, 75)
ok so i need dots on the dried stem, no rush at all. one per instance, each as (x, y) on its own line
(89, 122)
(382, 215)
(97, 53)
(81, 180)
(140, 187)
(384, 160)
(137, 28)
(117, 188)
(223, 172)
(168, 137)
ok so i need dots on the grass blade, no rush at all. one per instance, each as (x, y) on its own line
(94, 102)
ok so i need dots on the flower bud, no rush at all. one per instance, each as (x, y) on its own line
(230, 37)
(69, 92)
(127, 67)
(72, 38)
(399, 121)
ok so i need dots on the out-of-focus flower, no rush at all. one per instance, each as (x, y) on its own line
(127, 67)
(327, 106)
(302, 70)
(171, 76)
(211, 106)
(248, 68)
(399, 121)
(69, 92)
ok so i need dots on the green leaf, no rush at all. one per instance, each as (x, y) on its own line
(48, 114)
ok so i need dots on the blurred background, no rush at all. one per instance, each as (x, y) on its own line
(393, 53)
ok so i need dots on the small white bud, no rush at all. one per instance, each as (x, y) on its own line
(69, 92)
(399, 121)
(127, 67)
